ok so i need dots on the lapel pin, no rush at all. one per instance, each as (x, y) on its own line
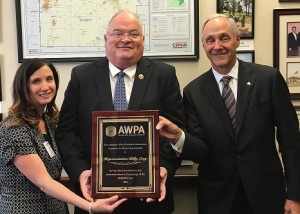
(248, 83)
(141, 76)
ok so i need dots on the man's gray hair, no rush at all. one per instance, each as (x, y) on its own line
(126, 11)
(230, 20)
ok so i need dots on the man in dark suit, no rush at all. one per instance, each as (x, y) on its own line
(298, 43)
(149, 85)
(292, 42)
(240, 170)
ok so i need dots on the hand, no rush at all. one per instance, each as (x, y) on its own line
(107, 204)
(163, 179)
(168, 130)
(292, 207)
(85, 184)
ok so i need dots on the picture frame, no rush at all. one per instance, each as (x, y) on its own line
(243, 15)
(247, 56)
(282, 19)
(64, 32)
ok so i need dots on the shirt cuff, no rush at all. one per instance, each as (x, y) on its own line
(179, 145)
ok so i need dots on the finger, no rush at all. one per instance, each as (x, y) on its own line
(150, 200)
(87, 196)
(162, 192)
(163, 175)
(117, 203)
(85, 192)
(112, 199)
(161, 123)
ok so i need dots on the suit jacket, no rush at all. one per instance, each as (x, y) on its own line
(292, 42)
(249, 155)
(89, 90)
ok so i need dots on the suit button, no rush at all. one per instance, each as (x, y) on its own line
(238, 156)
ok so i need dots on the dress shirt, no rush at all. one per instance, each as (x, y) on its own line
(295, 35)
(128, 79)
(233, 82)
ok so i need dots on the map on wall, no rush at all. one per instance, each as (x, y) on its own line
(76, 28)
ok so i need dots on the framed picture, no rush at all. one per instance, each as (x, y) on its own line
(242, 12)
(64, 32)
(286, 58)
(293, 74)
(247, 56)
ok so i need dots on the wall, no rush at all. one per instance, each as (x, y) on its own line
(186, 70)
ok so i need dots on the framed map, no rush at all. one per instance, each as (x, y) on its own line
(74, 30)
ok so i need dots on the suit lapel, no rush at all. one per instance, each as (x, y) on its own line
(246, 82)
(101, 77)
(211, 89)
(141, 80)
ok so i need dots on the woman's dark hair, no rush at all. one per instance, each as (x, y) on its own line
(23, 109)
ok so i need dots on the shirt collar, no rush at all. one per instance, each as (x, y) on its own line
(130, 72)
(233, 73)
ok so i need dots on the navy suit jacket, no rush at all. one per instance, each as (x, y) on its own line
(89, 90)
(264, 112)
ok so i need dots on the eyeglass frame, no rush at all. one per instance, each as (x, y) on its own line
(118, 34)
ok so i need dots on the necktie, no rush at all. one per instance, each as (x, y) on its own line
(120, 103)
(229, 100)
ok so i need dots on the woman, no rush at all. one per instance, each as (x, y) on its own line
(30, 165)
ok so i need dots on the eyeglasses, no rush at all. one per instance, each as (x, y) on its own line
(120, 34)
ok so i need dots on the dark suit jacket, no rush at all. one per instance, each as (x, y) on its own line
(292, 42)
(250, 155)
(89, 90)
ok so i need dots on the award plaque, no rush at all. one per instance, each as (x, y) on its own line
(125, 154)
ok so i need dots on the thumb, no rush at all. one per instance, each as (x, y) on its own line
(112, 199)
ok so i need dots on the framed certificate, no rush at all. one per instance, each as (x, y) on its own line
(125, 154)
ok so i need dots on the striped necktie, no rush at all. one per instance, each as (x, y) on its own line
(229, 100)
(120, 103)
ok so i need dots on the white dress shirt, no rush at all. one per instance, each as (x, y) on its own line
(128, 79)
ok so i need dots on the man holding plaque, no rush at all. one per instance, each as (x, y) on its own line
(149, 85)
(240, 169)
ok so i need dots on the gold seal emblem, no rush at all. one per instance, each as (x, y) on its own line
(141, 76)
(111, 131)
